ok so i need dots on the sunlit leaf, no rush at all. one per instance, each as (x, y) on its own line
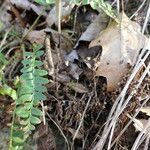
(36, 112)
(40, 72)
(35, 120)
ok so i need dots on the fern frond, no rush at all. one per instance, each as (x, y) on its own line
(29, 94)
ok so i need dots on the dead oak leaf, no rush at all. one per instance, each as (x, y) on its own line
(65, 12)
(146, 110)
(121, 44)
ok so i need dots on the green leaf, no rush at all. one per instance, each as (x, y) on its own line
(29, 94)
(24, 98)
(28, 54)
(32, 127)
(28, 105)
(35, 120)
(7, 90)
(85, 2)
(27, 62)
(40, 88)
(3, 60)
(18, 140)
(26, 69)
(39, 96)
(23, 122)
(37, 47)
(18, 137)
(40, 72)
(39, 53)
(106, 7)
(50, 1)
(26, 76)
(36, 112)
(22, 112)
(45, 2)
(27, 83)
(26, 90)
(36, 102)
(27, 129)
(38, 63)
(41, 80)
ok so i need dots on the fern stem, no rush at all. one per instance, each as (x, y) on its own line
(11, 130)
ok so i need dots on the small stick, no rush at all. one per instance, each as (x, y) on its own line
(49, 55)
(44, 120)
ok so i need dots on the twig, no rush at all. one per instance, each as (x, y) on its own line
(17, 14)
(133, 117)
(44, 120)
(32, 27)
(147, 143)
(4, 39)
(119, 105)
(138, 9)
(49, 55)
(59, 128)
(81, 121)
(144, 131)
(75, 19)
(146, 19)
(58, 10)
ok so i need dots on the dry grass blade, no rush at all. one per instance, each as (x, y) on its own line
(121, 102)
(141, 137)
(131, 120)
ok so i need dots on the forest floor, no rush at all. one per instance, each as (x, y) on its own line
(98, 71)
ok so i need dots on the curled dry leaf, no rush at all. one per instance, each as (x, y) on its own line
(63, 78)
(121, 44)
(146, 110)
(25, 4)
(65, 12)
(94, 28)
(36, 36)
(65, 44)
(77, 87)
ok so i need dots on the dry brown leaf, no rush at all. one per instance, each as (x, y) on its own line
(77, 87)
(121, 44)
(94, 28)
(73, 131)
(36, 36)
(27, 5)
(146, 110)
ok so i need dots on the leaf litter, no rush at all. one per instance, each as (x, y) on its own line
(95, 63)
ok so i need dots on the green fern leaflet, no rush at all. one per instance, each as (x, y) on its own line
(30, 93)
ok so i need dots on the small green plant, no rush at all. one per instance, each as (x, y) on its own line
(29, 94)
(95, 4)
(45, 2)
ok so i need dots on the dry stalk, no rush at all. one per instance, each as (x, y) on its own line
(49, 55)
(121, 103)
